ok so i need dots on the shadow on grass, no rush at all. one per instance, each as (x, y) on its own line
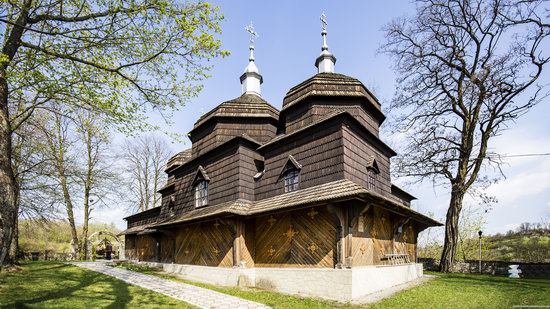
(33, 280)
(502, 282)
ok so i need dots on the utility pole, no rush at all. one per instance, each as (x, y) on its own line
(480, 233)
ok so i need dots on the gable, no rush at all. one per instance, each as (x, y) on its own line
(291, 164)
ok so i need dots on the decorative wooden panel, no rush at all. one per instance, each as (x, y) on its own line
(146, 248)
(303, 238)
(363, 242)
(207, 244)
(248, 250)
(406, 241)
(382, 233)
(130, 251)
(166, 249)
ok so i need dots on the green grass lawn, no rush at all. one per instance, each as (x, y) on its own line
(445, 291)
(472, 291)
(57, 285)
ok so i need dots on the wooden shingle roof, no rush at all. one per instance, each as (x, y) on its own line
(329, 85)
(334, 191)
(135, 229)
(247, 105)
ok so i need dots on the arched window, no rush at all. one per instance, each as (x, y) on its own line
(201, 193)
(292, 179)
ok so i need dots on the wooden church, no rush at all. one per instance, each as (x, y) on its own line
(285, 199)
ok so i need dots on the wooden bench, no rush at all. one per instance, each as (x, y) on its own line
(396, 258)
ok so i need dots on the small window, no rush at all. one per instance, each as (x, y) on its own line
(171, 203)
(292, 179)
(371, 174)
(201, 193)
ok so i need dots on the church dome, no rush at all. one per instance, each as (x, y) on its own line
(247, 105)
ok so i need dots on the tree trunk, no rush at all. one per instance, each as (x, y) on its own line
(13, 254)
(84, 248)
(8, 206)
(451, 231)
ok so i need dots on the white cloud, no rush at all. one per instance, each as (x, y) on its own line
(534, 179)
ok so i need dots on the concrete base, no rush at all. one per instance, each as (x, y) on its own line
(334, 284)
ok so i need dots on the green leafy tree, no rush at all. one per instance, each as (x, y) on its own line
(118, 58)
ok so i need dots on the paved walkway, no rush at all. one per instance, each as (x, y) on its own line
(200, 297)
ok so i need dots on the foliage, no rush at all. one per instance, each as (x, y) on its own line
(117, 59)
(54, 236)
(55, 285)
(530, 245)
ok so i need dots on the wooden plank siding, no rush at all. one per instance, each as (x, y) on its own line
(260, 129)
(316, 108)
(130, 249)
(296, 239)
(146, 246)
(249, 161)
(319, 153)
(363, 241)
(206, 244)
(223, 171)
(147, 217)
(356, 156)
(167, 249)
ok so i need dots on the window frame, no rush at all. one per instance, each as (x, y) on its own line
(371, 178)
(201, 193)
(291, 180)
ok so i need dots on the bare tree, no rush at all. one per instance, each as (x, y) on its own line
(467, 69)
(144, 159)
(95, 177)
(56, 131)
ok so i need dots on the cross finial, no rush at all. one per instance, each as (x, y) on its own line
(324, 21)
(253, 34)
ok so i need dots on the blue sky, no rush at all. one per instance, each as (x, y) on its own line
(289, 41)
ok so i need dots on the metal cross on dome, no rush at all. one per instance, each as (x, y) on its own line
(324, 21)
(253, 34)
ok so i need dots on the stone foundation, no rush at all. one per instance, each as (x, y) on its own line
(334, 284)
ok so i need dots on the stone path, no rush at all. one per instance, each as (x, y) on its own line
(200, 297)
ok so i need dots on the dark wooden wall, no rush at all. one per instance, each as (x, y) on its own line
(304, 238)
(147, 217)
(260, 129)
(249, 165)
(130, 250)
(320, 153)
(223, 170)
(316, 108)
(356, 155)
(146, 246)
